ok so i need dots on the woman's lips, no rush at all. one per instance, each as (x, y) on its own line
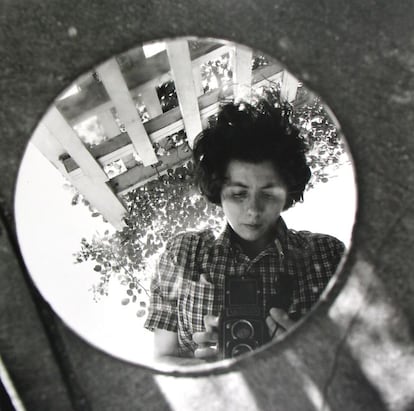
(251, 226)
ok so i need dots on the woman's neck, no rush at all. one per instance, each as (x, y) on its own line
(253, 248)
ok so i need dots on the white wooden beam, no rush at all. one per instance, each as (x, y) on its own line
(215, 54)
(54, 134)
(289, 86)
(198, 81)
(265, 82)
(172, 128)
(111, 77)
(69, 140)
(102, 198)
(242, 72)
(178, 125)
(49, 146)
(180, 63)
(108, 123)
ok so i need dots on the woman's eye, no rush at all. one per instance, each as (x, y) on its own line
(267, 196)
(276, 197)
(239, 195)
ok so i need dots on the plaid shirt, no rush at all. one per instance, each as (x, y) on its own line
(180, 296)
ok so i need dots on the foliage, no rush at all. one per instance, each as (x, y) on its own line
(324, 146)
(167, 145)
(157, 210)
(78, 198)
(167, 95)
(216, 73)
(259, 61)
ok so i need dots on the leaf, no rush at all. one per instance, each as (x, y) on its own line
(142, 304)
(125, 301)
(97, 268)
(129, 292)
(140, 313)
(96, 214)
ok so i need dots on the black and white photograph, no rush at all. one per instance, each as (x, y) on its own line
(206, 206)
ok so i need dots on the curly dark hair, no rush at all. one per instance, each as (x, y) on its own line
(254, 134)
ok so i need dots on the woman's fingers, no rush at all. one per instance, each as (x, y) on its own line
(271, 325)
(274, 328)
(280, 316)
(205, 337)
(210, 335)
(207, 340)
(211, 322)
(278, 322)
(205, 352)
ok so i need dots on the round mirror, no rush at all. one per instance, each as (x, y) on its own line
(172, 183)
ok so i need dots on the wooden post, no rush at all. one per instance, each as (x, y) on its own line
(101, 197)
(180, 63)
(242, 72)
(54, 134)
(69, 140)
(111, 77)
(289, 86)
(108, 123)
(198, 83)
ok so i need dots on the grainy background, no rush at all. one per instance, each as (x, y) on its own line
(355, 350)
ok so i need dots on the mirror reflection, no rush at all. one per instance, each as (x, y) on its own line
(186, 201)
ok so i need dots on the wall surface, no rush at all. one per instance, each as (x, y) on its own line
(355, 352)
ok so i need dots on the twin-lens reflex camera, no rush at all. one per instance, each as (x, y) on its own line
(242, 326)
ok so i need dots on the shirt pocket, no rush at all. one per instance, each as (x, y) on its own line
(198, 300)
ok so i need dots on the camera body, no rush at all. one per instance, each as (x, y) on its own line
(242, 326)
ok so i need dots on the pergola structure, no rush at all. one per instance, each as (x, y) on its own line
(112, 93)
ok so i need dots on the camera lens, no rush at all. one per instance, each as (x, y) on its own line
(242, 330)
(240, 349)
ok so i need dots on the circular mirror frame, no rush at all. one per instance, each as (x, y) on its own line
(54, 264)
(353, 67)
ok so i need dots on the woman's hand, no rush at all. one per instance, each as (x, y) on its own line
(207, 340)
(278, 322)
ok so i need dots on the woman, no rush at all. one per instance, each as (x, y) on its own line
(252, 163)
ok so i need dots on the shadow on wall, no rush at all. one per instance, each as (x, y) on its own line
(353, 354)
(342, 363)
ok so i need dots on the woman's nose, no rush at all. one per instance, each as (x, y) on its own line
(254, 205)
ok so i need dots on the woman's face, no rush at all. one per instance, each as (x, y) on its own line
(252, 197)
